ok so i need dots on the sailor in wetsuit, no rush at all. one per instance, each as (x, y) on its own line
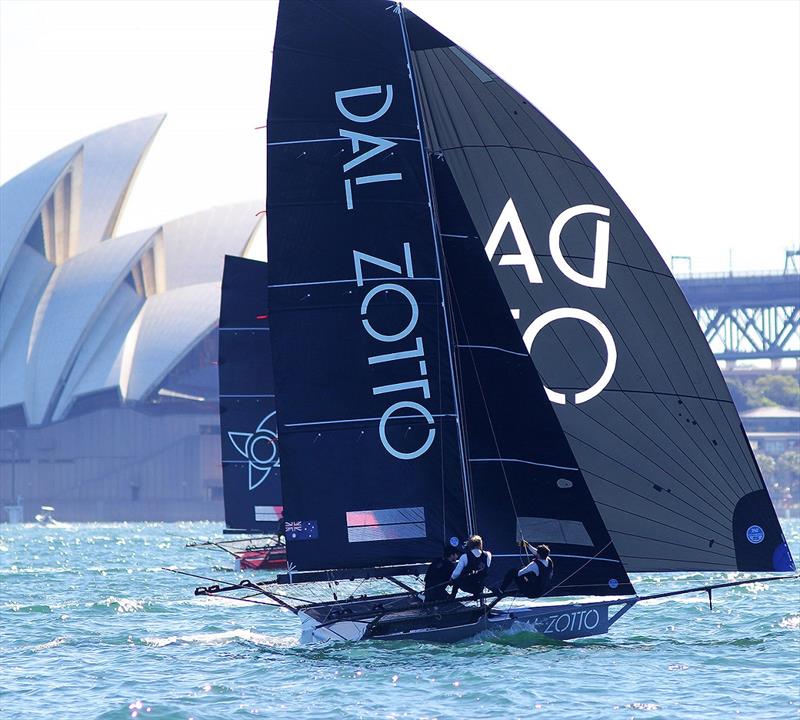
(438, 576)
(473, 566)
(535, 579)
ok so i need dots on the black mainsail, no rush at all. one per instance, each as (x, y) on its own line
(371, 450)
(248, 428)
(379, 422)
(525, 480)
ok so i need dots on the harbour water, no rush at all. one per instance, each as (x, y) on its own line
(92, 627)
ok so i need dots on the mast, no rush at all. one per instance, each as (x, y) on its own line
(435, 229)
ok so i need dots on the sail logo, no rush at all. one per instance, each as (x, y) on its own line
(261, 450)
(509, 218)
(569, 622)
(407, 352)
(378, 145)
(755, 534)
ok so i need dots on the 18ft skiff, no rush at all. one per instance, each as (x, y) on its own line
(472, 333)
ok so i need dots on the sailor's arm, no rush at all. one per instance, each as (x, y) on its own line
(531, 567)
(459, 568)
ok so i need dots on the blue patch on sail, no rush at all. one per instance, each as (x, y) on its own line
(302, 530)
(782, 559)
(755, 534)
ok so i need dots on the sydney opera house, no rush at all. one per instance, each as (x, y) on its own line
(108, 376)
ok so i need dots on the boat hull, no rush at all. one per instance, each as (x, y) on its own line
(271, 558)
(455, 622)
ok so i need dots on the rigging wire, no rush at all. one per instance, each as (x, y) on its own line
(457, 308)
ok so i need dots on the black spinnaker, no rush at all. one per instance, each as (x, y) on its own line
(634, 384)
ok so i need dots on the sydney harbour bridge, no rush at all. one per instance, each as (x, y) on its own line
(749, 316)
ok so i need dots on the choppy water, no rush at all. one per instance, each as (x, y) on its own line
(91, 627)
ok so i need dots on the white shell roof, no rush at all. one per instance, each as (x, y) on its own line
(22, 197)
(195, 246)
(74, 299)
(115, 312)
(168, 326)
(111, 159)
(99, 361)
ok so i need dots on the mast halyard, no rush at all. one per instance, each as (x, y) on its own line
(468, 509)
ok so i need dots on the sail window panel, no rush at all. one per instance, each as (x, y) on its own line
(267, 513)
(458, 90)
(542, 133)
(387, 524)
(470, 64)
(551, 530)
(453, 121)
(496, 124)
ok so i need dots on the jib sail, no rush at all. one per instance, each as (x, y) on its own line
(525, 482)
(248, 428)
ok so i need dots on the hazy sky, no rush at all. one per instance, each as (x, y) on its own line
(690, 109)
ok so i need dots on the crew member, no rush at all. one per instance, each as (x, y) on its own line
(535, 579)
(473, 566)
(438, 576)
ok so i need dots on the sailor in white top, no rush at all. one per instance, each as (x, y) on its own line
(535, 578)
(470, 572)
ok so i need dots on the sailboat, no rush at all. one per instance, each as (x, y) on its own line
(248, 430)
(471, 333)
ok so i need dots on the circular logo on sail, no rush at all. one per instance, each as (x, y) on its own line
(613, 583)
(755, 534)
(260, 448)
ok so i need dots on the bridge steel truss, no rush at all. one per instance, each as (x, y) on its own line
(747, 317)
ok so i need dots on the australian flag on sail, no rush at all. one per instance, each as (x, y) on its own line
(301, 530)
